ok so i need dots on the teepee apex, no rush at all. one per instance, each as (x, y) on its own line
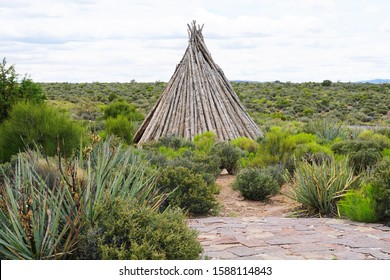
(198, 98)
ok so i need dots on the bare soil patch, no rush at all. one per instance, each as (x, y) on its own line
(233, 204)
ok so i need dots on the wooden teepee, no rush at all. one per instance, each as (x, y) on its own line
(198, 98)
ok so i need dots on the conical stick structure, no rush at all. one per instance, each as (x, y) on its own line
(198, 98)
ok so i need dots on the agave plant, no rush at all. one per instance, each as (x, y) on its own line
(318, 186)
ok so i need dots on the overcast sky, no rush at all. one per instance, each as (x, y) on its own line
(263, 40)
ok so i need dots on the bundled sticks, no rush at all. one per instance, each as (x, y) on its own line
(198, 98)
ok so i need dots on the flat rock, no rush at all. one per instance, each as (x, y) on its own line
(279, 238)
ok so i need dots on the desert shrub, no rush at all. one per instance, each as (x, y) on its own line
(327, 129)
(308, 149)
(359, 205)
(125, 231)
(307, 144)
(187, 190)
(156, 159)
(380, 181)
(381, 140)
(229, 156)
(362, 153)
(208, 166)
(363, 159)
(121, 120)
(174, 142)
(120, 107)
(120, 127)
(386, 153)
(277, 172)
(318, 187)
(245, 144)
(13, 90)
(384, 131)
(169, 153)
(205, 141)
(278, 147)
(351, 146)
(255, 184)
(304, 138)
(111, 97)
(30, 124)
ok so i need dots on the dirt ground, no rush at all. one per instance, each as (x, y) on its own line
(234, 205)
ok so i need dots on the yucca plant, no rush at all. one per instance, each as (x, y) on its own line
(327, 129)
(121, 172)
(43, 208)
(318, 186)
(37, 221)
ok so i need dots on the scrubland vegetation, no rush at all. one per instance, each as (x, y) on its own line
(73, 186)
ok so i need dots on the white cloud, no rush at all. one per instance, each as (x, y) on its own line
(120, 40)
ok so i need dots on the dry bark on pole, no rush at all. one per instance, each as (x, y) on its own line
(198, 98)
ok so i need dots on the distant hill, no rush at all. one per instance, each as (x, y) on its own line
(244, 81)
(375, 81)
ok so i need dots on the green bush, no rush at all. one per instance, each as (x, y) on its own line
(350, 146)
(174, 142)
(229, 156)
(277, 148)
(318, 187)
(12, 90)
(381, 183)
(125, 231)
(255, 184)
(363, 159)
(120, 107)
(277, 172)
(359, 205)
(121, 127)
(208, 166)
(38, 124)
(369, 135)
(205, 141)
(187, 190)
(245, 144)
(121, 120)
(311, 148)
(363, 153)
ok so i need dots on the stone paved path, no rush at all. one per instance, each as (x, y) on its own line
(281, 238)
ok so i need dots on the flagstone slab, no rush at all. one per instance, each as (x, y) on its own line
(279, 238)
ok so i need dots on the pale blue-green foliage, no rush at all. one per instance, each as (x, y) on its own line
(45, 201)
(318, 186)
(327, 129)
(120, 172)
(38, 221)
